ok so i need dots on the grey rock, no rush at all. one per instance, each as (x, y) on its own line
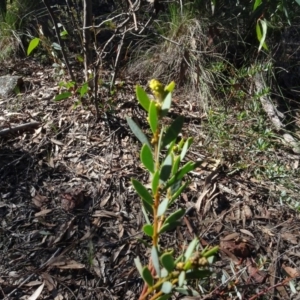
(10, 85)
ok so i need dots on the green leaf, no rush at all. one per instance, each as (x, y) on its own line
(178, 214)
(298, 1)
(168, 227)
(190, 249)
(210, 252)
(153, 117)
(257, 3)
(148, 229)
(155, 182)
(147, 207)
(162, 207)
(84, 89)
(175, 165)
(198, 274)
(185, 148)
(142, 98)
(166, 287)
(178, 192)
(144, 211)
(62, 96)
(137, 132)
(168, 262)
(138, 265)
(261, 36)
(146, 274)
(189, 166)
(181, 278)
(166, 105)
(155, 260)
(166, 168)
(142, 191)
(173, 131)
(32, 45)
(147, 158)
(170, 87)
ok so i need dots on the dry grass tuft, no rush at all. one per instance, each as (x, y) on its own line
(182, 55)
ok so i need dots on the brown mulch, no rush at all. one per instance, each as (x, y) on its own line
(70, 219)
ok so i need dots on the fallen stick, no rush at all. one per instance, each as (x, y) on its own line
(23, 127)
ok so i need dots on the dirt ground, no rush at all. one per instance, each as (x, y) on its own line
(71, 221)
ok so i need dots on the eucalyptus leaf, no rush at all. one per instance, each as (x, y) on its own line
(155, 260)
(153, 116)
(136, 130)
(168, 262)
(173, 131)
(146, 275)
(147, 158)
(142, 98)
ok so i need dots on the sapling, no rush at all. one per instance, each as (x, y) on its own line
(163, 156)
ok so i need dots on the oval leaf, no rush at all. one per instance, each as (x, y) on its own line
(142, 98)
(146, 274)
(32, 45)
(153, 117)
(147, 158)
(168, 262)
(62, 96)
(142, 191)
(148, 229)
(166, 287)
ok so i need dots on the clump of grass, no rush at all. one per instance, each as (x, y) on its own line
(180, 52)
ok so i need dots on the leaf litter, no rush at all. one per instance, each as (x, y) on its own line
(70, 220)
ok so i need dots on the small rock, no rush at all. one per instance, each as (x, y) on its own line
(10, 85)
